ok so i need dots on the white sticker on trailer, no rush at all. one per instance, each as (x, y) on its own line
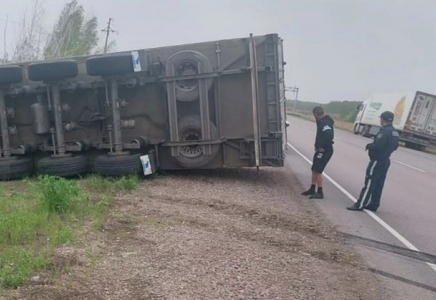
(136, 61)
(146, 165)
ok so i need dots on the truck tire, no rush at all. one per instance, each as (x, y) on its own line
(109, 65)
(414, 146)
(112, 165)
(192, 156)
(421, 148)
(52, 71)
(366, 130)
(11, 74)
(15, 168)
(68, 166)
(186, 63)
(356, 129)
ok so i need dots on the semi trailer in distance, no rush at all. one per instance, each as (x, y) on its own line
(218, 104)
(415, 116)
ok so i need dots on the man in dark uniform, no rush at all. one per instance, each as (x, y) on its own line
(323, 151)
(379, 151)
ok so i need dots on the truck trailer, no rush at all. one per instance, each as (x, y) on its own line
(209, 105)
(414, 116)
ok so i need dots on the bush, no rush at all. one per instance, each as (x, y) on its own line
(57, 193)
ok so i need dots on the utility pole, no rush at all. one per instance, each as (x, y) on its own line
(5, 58)
(107, 30)
(295, 90)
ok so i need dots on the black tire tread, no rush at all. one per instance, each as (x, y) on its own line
(11, 74)
(118, 165)
(63, 166)
(15, 169)
(109, 65)
(54, 70)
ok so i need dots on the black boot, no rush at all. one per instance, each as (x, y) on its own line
(354, 207)
(310, 191)
(373, 209)
(317, 196)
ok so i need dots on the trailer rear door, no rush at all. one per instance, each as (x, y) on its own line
(430, 127)
(421, 112)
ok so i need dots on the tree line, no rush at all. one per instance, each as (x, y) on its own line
(71, 35)
(343, 110)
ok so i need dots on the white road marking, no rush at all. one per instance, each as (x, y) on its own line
(409, 166)
(391, 230)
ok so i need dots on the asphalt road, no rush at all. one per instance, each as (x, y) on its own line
(408, 205)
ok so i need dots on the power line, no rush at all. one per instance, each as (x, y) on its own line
(107, 30)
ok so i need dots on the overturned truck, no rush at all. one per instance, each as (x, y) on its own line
(207, 105)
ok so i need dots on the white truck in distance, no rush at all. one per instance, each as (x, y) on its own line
(415, 116)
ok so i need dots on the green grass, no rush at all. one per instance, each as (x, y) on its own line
(123, 183)
(64, 236)
(38, 215)
(16, 263)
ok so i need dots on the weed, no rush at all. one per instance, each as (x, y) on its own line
(104, 184)
(21, 218)
(63, 236)
(16, 264)
(38, 215)
(58, 194)
(98, 183)
(127, 183)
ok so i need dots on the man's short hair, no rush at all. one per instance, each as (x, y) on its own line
(317, 110)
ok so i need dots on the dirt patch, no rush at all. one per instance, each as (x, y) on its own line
(229, 234)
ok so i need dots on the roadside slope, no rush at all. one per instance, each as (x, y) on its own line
(224, 234)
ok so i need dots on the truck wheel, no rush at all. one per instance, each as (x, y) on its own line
(68, 166)
(421, 148)
(356, 129)
(15, 168)
(112, 165)
(11, 74)
(51, 71)
(109, 65)
(414, 146)
(365, 131)
(186, 63)
(192, 156)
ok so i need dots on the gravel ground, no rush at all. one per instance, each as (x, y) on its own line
(228, 234)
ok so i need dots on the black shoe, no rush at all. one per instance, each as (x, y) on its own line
(317, 196)
(354, 207)
(371, 209)
(308, 193)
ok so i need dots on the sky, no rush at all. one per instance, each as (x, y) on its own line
(334, 49)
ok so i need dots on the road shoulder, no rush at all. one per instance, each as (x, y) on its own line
(225, 234)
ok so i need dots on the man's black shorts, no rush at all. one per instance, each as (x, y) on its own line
(320, 160)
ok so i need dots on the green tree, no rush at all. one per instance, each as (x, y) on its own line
(28, 45)
(72, 35)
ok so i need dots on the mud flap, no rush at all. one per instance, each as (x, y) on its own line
(148, 162)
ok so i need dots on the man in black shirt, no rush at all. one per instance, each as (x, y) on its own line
(323, 151)
(379, 151)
